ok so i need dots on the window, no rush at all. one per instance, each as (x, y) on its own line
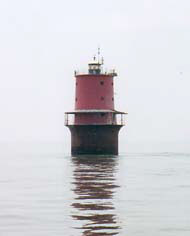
(102, 98)
(76, 99)
(101, 82)
(112, 98)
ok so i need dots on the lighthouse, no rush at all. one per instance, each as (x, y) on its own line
(94, 123)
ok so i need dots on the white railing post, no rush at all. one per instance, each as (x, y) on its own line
(66, 119)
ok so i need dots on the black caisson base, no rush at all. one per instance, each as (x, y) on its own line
(94, 139)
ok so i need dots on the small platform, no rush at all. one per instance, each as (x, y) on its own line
(95, 117)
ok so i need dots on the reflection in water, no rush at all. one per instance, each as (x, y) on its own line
(93, 188)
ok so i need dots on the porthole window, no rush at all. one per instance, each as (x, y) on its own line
(102, 114)
(101, 82)
(112, 99)
(112, 83)
(76, 99)
(76, 83)
(102, 98)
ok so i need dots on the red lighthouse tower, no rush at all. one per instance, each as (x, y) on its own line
(94, 124)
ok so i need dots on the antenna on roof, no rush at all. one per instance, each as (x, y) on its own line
(98, 54)
(102, 60)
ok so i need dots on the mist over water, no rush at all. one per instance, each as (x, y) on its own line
(135, 194)
(46, 192)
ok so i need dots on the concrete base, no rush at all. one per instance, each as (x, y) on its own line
(94, 139)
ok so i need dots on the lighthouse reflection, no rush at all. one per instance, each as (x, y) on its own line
(94, 187)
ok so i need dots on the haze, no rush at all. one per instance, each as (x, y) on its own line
(42, 42)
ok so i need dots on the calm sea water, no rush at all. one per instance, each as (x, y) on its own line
(133, 194)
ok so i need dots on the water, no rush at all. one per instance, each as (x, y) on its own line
(133, 194)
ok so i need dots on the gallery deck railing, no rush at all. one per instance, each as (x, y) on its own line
(116, 119)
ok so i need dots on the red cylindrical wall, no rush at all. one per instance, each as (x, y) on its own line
(94, 92)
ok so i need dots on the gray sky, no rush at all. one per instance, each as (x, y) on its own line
(42, 42)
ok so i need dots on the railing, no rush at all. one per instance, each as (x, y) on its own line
(69, 119)
(102, 72)
(116, 119)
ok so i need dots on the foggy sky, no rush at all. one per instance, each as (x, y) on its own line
(42, 42)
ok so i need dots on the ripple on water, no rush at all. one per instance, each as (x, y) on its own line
(93, 186)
